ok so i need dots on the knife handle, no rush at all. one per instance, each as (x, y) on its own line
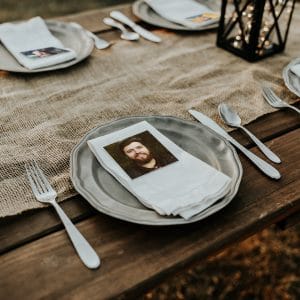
(117, 15)
(261, 164)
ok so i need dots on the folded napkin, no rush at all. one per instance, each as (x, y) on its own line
(188, 13)
(296, 70)
(177, 183)
(32, 44)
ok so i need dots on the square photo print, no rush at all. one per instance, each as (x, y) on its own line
(140, 154)
(44, 52)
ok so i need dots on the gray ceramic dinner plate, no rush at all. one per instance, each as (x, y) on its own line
(108, 196)
(74, 38)
(291, 80)
(143, 11)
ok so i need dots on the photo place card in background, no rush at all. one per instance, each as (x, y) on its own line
(32, 39)
(188, 13)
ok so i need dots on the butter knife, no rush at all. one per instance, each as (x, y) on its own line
(265, 167)
(146, 34)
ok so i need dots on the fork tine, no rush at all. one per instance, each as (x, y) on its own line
(42, 176)
(269, 96)
(38, 177)
(35, 188)
(266, 94)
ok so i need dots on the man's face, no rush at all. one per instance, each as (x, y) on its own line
(138, 152)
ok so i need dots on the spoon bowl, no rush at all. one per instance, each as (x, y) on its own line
(130, 36)
(126, 35)
(229, 116)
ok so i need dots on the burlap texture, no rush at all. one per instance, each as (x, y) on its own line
(43, 116)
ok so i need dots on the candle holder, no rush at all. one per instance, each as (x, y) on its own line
(254, 29)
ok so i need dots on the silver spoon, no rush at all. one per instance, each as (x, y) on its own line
(231, 118)
(126, 35)
(98, 42)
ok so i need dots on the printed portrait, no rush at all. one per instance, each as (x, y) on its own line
(40, 53)
(140, 154)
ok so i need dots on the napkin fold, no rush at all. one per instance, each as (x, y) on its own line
(33, 45)
(183, 186)
(296, 69)
(188, 13)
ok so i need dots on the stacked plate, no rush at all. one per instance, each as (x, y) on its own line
(292, 81)
(71, 37)
(143, 11)
(108, 196)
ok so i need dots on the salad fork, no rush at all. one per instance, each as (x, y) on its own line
(275, 101)
(44, 192)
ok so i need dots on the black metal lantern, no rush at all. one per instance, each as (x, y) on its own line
(254, 29)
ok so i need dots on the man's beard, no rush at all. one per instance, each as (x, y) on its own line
(143, 159)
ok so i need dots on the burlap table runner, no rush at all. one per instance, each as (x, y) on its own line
(43, 116)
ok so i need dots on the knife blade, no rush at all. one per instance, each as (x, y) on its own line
(265, 167)
(146, 34)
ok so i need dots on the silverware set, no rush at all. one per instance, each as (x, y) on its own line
(146, 34)
(231, 118)
(118, 20)
(265, 167)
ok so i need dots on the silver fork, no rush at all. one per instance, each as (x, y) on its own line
(275, 101)
(43, 192)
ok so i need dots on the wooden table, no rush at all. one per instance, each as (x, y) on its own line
(38, 260)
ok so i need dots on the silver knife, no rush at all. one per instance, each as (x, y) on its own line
(261, 164)
(146, 34)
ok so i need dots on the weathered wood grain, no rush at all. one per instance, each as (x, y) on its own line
(15, 231)
(135, 256)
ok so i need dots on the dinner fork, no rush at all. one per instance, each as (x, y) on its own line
(44, 192)
(275, 101)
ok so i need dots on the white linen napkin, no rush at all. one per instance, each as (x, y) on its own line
(33, 45)
(296, 69)
(188, 13)
(185, 186)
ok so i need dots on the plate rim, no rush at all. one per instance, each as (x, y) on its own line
(163, 221)
(58, 24)
(286, 73)
(173, 26)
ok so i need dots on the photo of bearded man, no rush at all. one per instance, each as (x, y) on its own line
(140, 154)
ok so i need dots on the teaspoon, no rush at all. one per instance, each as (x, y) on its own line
(231, 118)
(126, 35)
(98, 42)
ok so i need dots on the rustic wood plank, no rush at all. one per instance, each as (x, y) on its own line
(136, 256)
(290, 221)
(20, 229)
(15, 231)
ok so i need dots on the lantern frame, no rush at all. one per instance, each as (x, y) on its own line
(251, 50)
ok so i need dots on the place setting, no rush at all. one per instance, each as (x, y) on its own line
(186, 15)
(38, 46)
